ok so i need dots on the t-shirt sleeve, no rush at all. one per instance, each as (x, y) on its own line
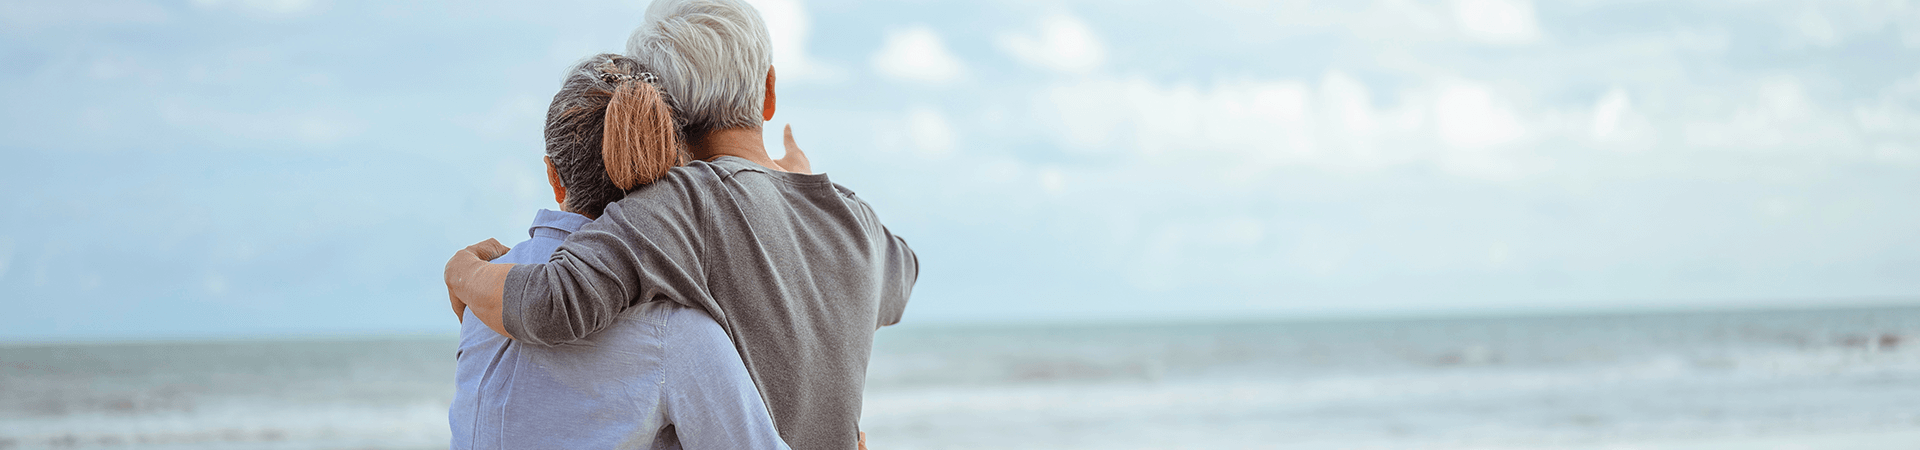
(902, 269)
(899, 266)
(642, 248)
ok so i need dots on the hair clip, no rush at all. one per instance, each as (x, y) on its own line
(617, 78)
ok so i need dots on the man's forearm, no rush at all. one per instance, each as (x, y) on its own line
(478, 284)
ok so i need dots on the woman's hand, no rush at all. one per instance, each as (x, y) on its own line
(795, 160)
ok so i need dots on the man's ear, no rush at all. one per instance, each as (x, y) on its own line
(553, 178)
(766, 111)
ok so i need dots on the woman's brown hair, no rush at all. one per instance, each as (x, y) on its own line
(610, 130)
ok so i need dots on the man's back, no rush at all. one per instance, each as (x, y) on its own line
(798, 270)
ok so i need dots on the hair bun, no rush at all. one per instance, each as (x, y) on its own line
(642, 140)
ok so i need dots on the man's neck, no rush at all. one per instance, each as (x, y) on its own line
(743, 143)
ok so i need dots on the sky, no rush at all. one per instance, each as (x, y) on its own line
(240, 168)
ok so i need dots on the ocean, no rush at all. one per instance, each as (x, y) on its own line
(1838, 378)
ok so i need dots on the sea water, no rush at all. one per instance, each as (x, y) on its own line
(1842, 378)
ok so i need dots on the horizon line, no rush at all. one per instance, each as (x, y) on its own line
(1402, 315)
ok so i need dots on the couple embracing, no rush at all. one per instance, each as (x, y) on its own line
(692, 291)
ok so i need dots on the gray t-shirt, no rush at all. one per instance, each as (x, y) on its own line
(798, 270)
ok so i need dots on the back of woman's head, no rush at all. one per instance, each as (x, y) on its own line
(609, 130)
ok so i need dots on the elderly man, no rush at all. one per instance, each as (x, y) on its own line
(797, 269)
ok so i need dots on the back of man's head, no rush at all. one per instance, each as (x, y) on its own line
(713, 57)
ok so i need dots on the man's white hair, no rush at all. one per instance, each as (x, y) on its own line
(712, 57)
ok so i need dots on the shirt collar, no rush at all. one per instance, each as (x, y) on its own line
(556, 224)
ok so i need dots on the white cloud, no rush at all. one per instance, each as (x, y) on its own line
(923, 130)
(1776, 113)
(1616, 123)
(1609, 112)
(1053, 182)
(1350, 103)
(1463, 127)
(1497, 21)
(789, 27)
(1264, 118)
(1478, 129)
(1468, 116)
(916, 54)
(1815, 27)
(1063, 43)
(1828, 23)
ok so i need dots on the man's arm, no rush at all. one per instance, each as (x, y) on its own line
(899, 266)
(472, 282)
(587, 283)
(623, 258)
(902, 270)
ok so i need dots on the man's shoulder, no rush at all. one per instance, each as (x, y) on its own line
(692, 179)
(710, 171)
(699, 180)
(731, 185)
(670, 195)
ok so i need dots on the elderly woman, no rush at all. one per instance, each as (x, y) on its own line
(660, 373)
(797, 269)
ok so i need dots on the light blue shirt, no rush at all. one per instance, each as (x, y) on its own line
(662, 376)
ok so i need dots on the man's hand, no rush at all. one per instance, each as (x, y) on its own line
(795, 160)
(487, 250)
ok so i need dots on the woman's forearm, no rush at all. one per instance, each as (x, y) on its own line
(478, 284)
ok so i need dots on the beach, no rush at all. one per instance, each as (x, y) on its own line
(1836, 378)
